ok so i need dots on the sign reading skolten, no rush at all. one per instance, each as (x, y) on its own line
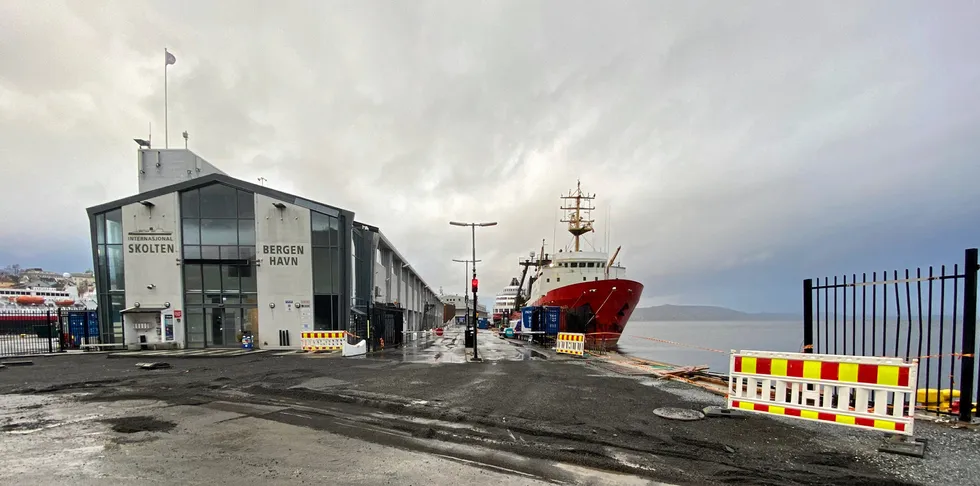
(279, 255)
(150, 241)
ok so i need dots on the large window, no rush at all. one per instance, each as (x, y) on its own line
(328, 271)
(218, 247)
(217, 223)
(109, 276)
(363, 265)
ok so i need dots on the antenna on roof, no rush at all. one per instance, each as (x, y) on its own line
(185, 139)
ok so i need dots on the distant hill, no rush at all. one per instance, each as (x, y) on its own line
(703, 313)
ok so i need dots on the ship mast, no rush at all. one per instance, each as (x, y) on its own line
(578, 216)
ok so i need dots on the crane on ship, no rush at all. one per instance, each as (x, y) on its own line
(541, 260)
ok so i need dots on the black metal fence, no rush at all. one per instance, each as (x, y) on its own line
(387, 324)
(25, 332)
(929, 315)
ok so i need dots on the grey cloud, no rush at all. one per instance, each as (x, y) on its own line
(718, 135)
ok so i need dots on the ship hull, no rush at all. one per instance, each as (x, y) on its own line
(610, 301)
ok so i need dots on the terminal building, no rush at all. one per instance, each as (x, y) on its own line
(199, 259)
(464, 307)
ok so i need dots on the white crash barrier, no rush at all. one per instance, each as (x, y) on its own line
(354, 349)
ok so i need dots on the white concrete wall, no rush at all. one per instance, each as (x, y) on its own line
(151, 247)
(162, 167)
(284, 272)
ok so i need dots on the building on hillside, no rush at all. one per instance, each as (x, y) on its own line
(199, 259)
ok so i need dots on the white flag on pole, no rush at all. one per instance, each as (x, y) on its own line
(170, 59)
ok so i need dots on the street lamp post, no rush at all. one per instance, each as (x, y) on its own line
(473, 226)
(466, 278)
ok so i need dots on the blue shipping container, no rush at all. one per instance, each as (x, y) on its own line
(527, 317)
(552, 317)
(77, 321)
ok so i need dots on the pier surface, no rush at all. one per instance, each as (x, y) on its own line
(424, 413)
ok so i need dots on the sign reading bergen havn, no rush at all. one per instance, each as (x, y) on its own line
(283, 255)
(150, 241)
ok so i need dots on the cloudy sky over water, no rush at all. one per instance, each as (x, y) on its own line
(738, 146)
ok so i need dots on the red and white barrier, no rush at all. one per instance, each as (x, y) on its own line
(846, 390)
(322, 340)
(570, 343)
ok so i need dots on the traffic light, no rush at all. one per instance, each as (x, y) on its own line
(474, 284)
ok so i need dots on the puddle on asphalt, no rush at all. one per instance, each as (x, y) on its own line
(132, 425)
(428, 421)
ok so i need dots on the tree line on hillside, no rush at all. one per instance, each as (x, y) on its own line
(704, 313)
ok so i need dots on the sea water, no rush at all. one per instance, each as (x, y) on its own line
(721, 336)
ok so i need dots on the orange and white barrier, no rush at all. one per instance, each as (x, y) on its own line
(847, 390)
(570, 343)
(322, 340)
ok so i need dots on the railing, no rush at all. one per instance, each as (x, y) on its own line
(600, 343)
(927, 315)
(29, 332)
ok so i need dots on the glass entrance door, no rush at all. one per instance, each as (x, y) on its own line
(196, 327)
(222, 326)
(232, 327)
(214, 323)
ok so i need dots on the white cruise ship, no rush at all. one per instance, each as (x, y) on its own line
(503, 305)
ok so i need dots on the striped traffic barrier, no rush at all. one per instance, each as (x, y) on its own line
(846, 390)
(570, 343)
(322, 340)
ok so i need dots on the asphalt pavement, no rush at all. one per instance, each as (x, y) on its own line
(513, 418)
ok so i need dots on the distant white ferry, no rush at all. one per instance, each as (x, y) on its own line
(503, 305)
(41, 298)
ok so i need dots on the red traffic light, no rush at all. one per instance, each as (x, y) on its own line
(474, 284)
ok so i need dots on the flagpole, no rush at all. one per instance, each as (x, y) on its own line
(166, 124)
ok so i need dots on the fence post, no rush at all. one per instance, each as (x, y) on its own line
(808, 315)
(48, 321)
(969, 334)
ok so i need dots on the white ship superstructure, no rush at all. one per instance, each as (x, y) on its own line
(503, 305)
(43, 297)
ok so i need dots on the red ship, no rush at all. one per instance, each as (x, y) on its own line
(590, 286)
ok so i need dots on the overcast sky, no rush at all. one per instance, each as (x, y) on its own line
(738, 146)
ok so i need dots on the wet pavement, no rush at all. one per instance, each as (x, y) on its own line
(449, 348)
(514, 419)
(49, 440)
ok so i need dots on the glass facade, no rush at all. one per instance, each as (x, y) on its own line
(329, 272)
(217, 265)
(218, 248)
(109, 274)
(363, 242)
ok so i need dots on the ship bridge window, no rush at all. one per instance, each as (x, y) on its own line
(574, 264)
(591, 264)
